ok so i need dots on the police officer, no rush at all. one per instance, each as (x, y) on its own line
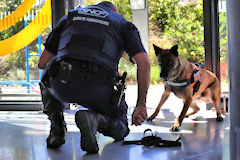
(81, 59)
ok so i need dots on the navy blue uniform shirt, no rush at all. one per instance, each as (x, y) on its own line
(130, 39)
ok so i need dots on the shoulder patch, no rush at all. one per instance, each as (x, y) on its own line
(93, 11)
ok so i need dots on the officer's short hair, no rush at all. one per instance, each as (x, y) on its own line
(109, 5)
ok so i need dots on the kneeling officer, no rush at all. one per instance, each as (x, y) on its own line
(81, 59)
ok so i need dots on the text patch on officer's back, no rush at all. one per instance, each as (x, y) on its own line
(92, 20)
(94, 11)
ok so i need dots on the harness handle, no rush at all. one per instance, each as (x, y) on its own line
(147, 131)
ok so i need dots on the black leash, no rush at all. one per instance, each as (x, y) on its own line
(154, 140)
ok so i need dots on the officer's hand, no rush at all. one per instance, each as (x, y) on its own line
(139, 115)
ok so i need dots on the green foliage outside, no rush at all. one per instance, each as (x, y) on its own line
(155, 74)
(10, 6)
(223, 36)
(182, 24)
(33, 60)
(123, 6)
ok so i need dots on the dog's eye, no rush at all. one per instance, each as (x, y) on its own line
(170, 62)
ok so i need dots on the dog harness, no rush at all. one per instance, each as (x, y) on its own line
(154, 141)
(194, 79)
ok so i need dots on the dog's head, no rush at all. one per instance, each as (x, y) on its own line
(167, 60)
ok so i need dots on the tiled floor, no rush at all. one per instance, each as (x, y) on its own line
(23, 136)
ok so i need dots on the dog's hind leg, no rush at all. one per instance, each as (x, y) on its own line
(216, 99)
(163, 99)
(195, 109)
(216, 102)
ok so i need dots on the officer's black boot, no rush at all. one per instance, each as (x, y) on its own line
(89, 122)
(58, 130)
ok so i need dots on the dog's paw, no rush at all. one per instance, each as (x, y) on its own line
(174, 128)
(219, 119)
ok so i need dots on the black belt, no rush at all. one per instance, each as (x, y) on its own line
(90, 73)
(92, 78)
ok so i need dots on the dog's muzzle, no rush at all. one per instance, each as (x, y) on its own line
(164, 75)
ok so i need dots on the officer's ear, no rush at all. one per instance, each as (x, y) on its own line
(115, 10)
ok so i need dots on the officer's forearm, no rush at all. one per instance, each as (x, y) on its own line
(143, 76)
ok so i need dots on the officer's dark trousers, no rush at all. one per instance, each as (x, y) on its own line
(117, 120)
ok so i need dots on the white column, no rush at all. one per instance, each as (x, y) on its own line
(140, 20)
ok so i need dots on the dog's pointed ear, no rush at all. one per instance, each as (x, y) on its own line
(174, 50)
(157, 49)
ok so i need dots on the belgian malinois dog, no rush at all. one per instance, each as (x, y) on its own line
(187, 81)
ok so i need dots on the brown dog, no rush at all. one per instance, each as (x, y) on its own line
(188, 82)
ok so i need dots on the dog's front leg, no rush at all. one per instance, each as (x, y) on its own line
(178, 122)
(164, 97)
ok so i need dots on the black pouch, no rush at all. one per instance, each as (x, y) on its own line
(64, 73)
(50, 71)
(53, 68)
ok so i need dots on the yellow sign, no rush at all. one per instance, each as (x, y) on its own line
(29, 33)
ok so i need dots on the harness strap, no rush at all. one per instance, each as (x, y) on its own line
(177, 84)
(194, 80)
(196, 77)
(154, 140)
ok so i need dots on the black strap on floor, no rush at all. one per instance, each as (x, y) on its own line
(154, 141)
